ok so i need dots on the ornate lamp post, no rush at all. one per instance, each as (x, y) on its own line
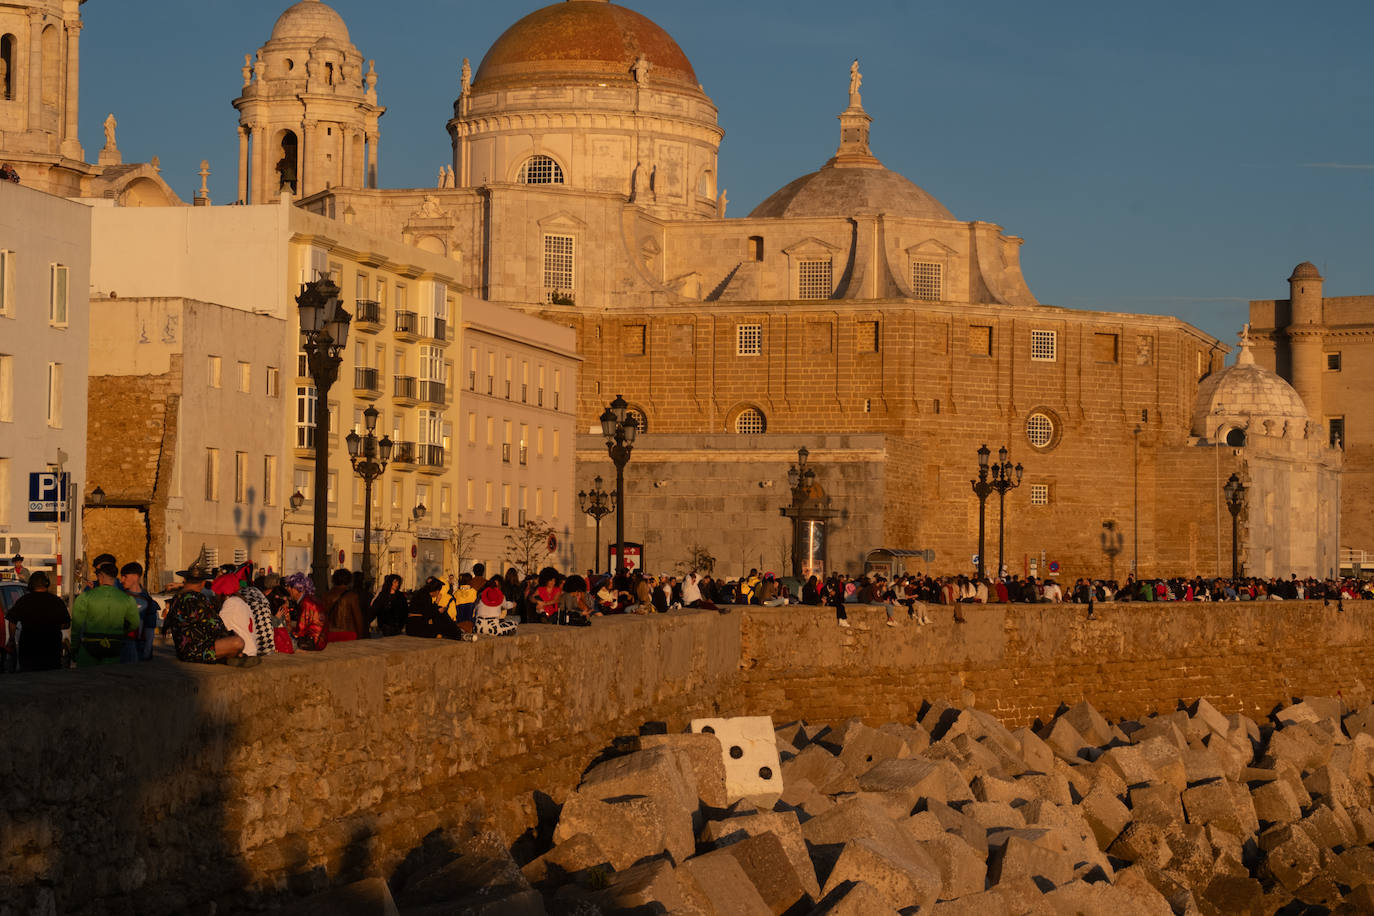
(598, 504)
(808, 514)
(982, 488)
(620, 431)
(1235, 501)
(324, 332)
(1113, 542)
(369, 458)
(296, 501)
(1002, 481)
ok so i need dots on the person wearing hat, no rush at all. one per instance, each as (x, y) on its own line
(312, 625)
(19, 572)
(198, 633)
(102, 619)
(492, 608)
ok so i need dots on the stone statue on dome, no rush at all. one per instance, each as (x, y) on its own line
(856, 79)
(721, 203)
(641, 69)
(465, 81)
(110, 125)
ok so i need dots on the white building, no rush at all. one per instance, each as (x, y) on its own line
(45, 248)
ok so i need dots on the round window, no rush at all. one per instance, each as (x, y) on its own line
(1040, 430)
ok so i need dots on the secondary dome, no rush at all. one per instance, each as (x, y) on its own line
(310, 19)
(1306, 271)
(583, 40)
(845, 191)
(1245, 396)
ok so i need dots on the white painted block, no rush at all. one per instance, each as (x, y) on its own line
(749, 748)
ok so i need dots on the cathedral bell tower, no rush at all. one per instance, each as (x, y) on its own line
(308, 113)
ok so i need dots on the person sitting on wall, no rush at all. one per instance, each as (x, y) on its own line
(547, 595)
(493, 609)
(198, 633)
(7, 173)
(390, 607)
(343, 608)
(312, 626)
(427, 620)
(574, 608)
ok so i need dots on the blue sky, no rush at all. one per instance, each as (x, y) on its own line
(1173, 158)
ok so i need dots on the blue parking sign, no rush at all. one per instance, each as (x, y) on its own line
(48, 496)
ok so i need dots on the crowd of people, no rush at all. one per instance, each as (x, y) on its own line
(229, 615)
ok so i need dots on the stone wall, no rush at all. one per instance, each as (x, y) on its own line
(160, 786)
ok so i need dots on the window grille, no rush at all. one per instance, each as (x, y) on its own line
(1039, 430)
(541, 170)
(558, 263)
(750, 422)
(815, 279)
(1333, 362)
(927, 281)
(1040, 494)
(749, 339)
(980, 340)
(1044, 346)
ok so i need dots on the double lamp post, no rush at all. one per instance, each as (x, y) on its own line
(1000, 476)
(324, 332)
(620, 428)
(369, 458)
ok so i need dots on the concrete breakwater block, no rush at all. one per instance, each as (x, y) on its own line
(749, 751)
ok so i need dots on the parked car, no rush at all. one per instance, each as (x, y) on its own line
(11, 592)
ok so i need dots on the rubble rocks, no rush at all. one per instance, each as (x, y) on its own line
(1191, 812)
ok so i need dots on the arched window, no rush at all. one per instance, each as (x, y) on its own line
(287, 164)
(540, 170)
(52, 66)
(638, 418)
(7, 61)
(750, 422)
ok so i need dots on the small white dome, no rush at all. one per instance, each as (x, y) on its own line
(1245, 397)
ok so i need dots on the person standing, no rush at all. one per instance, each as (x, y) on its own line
(41, 617)
(102, 619)
(389, 608)
(131, 581)
(342, 607)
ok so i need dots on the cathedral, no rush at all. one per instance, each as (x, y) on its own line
(850, 314)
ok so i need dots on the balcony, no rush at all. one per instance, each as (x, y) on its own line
(403, 389)
(432, 393)
(403, 455)
(430, 458)
(440, 330)
(524, 454)
(302, 366)
(407, 325)
(367, 315)
(367, 383)
(505, 452)
(505, 518)
(472, 381)
(524, 394)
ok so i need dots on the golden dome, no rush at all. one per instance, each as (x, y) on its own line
(581, 41)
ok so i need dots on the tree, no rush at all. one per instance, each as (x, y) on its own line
(381, 552)
(698, 560)
(528, 546)
(463, 539)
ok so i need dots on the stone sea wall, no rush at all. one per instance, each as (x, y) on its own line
(155, 787)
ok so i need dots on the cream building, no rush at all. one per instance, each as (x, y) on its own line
(45, 250)
(228, 276)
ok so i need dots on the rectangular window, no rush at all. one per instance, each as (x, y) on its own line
(269, 480)
(1044, 346)
(505, 504)
(212, 475)
(556, 438)
(1039, 494)
(1335, 431)
(4, 491)
(395, 496)
(245, 377)
(868, 337)
(553, 512)
(748, 339)
(6, 281)
(927, 281)
(55, 395)
(305, 416)
(634, 335)
(486, 496)
(470, 495)
(445, 502)
(980, 340)
(1105, 348)
(539, 442)
(1333, 362)
(272, 384)
(214, 367)
(240, 477)
(472, 427)
(1144, 350)
(304, 482)
(558, 266)
(331, 491)
(57, 295)
(6, 388)
(815, 279)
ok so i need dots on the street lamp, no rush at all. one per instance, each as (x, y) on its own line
(97, 497)
(982, 488)
(1002, 481)
(324, 332)
(296, 501)
(1235, 501)
(1113, 542)
(369, 458)
(808, 513)
(598, 504)
(620, 430)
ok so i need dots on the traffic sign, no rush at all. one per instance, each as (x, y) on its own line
(48, 496)
(1054, 566)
